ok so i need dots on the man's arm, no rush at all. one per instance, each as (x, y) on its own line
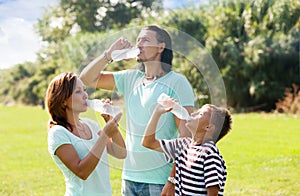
(94, 76)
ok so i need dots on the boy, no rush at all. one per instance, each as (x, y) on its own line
(200, 168)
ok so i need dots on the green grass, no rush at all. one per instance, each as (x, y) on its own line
(262, 154)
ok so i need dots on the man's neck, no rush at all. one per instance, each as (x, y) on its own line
(153, 69)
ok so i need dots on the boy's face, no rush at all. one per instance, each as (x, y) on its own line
(199, 119)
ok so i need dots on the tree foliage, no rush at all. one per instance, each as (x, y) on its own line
(72, 16)
(255, 45)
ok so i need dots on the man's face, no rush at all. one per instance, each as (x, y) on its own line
(149, 46)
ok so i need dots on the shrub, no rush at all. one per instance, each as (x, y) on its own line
(291, 102)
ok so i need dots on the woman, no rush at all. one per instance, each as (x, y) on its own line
(77, 145)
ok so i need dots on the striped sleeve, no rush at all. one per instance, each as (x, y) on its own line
(214, 172)
(168, 147)
(171, 148)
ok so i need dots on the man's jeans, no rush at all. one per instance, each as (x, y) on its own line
(130, 188)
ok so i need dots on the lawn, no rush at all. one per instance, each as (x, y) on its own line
(262, 154)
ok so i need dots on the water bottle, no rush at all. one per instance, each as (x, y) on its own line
(103, 108)
(177, 110)
(127, 53)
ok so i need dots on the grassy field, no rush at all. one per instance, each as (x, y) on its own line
(262, 154)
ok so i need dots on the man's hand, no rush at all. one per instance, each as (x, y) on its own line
(168, 190)
(119, 44)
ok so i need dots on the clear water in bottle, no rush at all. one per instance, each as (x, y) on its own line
(103, 108)
(177, 110)
(128, 53)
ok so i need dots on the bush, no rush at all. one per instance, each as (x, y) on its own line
(291, 102)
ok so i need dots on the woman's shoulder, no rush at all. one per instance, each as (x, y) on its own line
(57, 128)
(58, 131)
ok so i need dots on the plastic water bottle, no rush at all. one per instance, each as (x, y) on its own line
(103, 108)
(177, 110)
(127, 53)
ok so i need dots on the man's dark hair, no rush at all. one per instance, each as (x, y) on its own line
(162, 36)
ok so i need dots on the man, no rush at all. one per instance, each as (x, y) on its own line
(145, 172)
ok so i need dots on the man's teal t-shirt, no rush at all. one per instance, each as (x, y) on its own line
(142, 164)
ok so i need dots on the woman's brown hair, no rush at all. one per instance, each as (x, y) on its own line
(59, 90)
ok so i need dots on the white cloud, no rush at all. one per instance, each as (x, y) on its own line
(27, 9)
(18, 40)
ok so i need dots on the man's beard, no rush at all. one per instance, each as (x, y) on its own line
(152, 58)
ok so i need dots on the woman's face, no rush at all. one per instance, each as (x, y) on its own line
(77, 101)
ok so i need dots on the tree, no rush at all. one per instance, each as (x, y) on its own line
(254, 44)
(72, 16)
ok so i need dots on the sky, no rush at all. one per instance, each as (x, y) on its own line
(18, 40)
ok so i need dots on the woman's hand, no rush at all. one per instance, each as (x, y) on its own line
(111, 126)
(106, 117)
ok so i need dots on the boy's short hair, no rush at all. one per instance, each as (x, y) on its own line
(221, 118)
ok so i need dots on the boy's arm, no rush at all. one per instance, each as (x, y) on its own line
(212, 191)
(149, 139)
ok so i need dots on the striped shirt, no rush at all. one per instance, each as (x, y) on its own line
(197, 166)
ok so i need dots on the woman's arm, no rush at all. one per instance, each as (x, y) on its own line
(116, 146)
(84, 167)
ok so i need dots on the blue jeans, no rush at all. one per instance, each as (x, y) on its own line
(130, 188)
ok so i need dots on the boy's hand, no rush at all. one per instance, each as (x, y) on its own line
(162, 109)
(165, 106)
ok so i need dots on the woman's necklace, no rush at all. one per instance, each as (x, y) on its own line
(82, 131)
(151, 79)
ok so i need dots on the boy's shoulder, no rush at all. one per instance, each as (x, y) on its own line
(184, 140)
(208, 148)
